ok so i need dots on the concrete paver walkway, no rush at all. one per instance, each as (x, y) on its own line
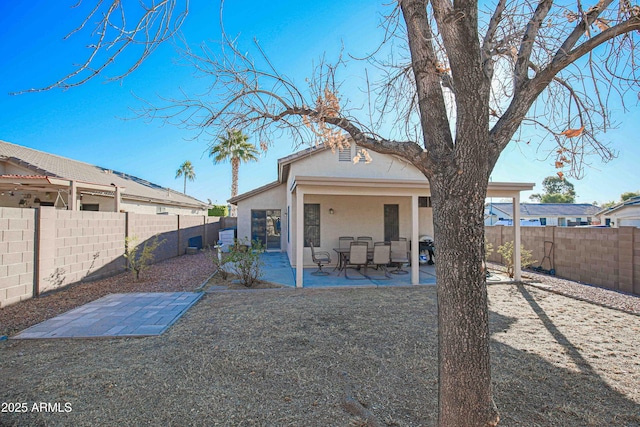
(117, 315)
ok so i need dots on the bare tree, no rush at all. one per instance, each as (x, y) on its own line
(116, 26)
(460, 84)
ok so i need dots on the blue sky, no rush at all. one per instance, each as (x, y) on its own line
(93, 123)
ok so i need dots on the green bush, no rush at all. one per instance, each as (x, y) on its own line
(506, 250)
(244, 261)
(219, 210)
(138, 261)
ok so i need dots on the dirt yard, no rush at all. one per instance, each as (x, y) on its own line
(286, 357)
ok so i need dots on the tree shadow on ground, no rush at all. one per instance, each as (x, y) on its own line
(278, 358)
(531, 391)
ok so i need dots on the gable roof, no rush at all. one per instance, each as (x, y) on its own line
(499, 189)
(548, 209)
(633, 201)
(50, 166)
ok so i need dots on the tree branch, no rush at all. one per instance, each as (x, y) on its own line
(526, 45)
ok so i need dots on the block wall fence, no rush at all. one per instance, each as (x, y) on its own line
(606, 257)
(44, 249)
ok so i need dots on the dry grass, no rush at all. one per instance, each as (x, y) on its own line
(287, 357)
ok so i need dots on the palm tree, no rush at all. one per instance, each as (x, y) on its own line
(186, 169)
(235, 148)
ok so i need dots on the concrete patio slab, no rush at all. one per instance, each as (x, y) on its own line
(278, 270)
(117, 315)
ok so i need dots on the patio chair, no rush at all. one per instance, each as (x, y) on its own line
(358, 257)
(321, 258)
(345, 241)
(381, 258)
(367, 239)
(399, 255)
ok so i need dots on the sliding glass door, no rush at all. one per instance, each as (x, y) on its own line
(265, 227)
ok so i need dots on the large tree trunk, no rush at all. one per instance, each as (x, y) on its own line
(465, 397)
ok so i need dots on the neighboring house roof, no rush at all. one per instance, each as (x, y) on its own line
(46, 166)
(544, 210)
(634, 201)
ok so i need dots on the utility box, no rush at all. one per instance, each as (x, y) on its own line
(227, 238)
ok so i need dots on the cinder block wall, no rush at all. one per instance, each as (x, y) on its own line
(190, 226)
(77, 245)
(211, 230)
(607, 257)
(17, 236)
(45, 249)
(145, 226)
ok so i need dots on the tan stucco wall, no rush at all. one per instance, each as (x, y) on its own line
(360, 216)
(327, 164)
(275, 198)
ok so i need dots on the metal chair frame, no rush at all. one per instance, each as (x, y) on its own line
(321, 258)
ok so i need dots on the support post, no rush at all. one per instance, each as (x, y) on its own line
(117, 199)
(299, 237)
(73, 197)
(517, 273)
(415, 244)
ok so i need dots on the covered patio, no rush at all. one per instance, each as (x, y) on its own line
(326, 192)
(277, 269)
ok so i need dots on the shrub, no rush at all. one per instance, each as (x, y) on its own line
(506, 250)
(139, 260)
(219, 210)
(245, 262)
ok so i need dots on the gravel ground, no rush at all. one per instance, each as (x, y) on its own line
(339, 357)
(581, 291)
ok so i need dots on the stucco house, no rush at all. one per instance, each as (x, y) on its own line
(322, 195)
(32, 178)
(626, 213)
(558, 214)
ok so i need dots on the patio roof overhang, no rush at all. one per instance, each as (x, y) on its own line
(45, 183)
(413, 188)
(342, 185)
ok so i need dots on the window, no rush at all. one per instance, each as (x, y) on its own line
(391, 222)
(312, 224)
(543, 221)
(88, 207)
(424, 202)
